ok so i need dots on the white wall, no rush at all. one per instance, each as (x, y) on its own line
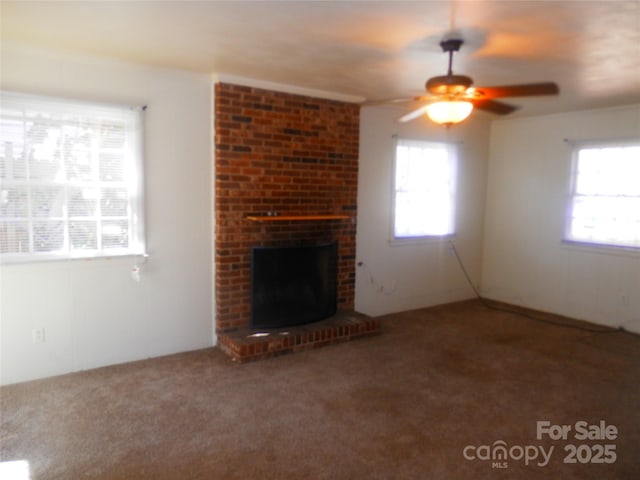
(93, 313)
(423, 274)
(524, 261)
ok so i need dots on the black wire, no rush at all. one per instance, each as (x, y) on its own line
(526, 315)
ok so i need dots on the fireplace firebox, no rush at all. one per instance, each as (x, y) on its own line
(293, 285)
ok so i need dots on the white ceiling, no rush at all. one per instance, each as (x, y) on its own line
(371, 50)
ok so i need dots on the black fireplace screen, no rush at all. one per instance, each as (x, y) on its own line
(293, 285)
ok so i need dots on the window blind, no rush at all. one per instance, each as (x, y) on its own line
(604, 205)
(71, 179)
(424, 189)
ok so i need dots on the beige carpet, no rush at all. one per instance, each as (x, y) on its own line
(402, 405)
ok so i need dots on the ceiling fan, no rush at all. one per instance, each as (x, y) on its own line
(452, 97)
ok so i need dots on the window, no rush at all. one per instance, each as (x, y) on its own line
(425, 189)
(604, 206)
(70, 179)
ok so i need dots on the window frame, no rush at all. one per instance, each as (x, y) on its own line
(132, 180)
(453, 149)
(591, 244)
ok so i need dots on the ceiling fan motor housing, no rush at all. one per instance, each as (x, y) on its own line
(448, 84)
(451, 44)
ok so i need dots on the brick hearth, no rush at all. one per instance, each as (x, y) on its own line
(246, 344)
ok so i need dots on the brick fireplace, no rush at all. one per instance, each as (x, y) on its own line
(286, 171)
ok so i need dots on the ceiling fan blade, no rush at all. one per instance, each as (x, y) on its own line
(494, 106)
(413, 114)
(524, 90)
(395, 100)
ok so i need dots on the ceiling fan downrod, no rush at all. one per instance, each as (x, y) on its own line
(449, 46)
(449, 84)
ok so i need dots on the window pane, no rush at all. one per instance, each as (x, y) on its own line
(114, 202)
(14, 202)
(424, 189)
(83, 235)
(48, 236)
(115, 234)
(111, 167)
(47, 202)
(83, 202)
(43, 141)
(587, 184)
(630, 164)
(402, 169)
(113, 135)
(78, 163)
(403, 215)
(12, 161)
(14, 236)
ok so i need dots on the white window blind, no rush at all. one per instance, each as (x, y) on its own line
(425, 189)
(604, 205)
(71, 179)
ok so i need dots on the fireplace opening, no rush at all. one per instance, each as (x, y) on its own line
(293, 285)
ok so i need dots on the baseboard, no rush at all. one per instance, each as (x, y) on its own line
(548, 317)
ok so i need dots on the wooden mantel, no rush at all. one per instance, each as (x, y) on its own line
(294, 218)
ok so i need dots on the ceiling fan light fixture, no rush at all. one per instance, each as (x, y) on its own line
(454, 97)
(449, 112)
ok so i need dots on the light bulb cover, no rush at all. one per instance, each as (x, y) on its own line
(449, 112)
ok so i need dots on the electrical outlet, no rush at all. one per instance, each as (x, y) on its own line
(37, 335)
(624, 299)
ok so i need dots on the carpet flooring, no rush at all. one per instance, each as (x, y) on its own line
(434, 397)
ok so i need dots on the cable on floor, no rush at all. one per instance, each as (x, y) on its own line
(523, 314)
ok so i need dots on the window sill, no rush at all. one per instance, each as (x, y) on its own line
(601, 249)
(428, 240)
(8, 259)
